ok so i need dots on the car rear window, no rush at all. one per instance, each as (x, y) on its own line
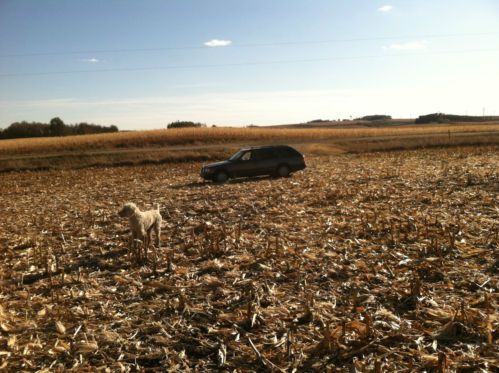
(287, 152)
(267, 153)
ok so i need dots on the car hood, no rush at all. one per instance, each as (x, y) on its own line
(217, 164)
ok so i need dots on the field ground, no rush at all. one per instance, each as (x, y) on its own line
(180, 145)
(376, 262)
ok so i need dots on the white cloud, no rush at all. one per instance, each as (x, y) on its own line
(90, 60)
(408, 46)
(385, 8)
(218, 43)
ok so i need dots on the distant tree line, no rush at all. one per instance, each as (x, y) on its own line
(185, 124)
(372, 118)
(445, 118)
(319, 121)
(56, 127)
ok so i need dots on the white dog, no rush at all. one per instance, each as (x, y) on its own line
(142, 223)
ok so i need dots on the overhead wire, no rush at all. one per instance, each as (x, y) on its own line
(249, 63)
(244, 45)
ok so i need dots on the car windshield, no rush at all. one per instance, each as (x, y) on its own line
(238, 155)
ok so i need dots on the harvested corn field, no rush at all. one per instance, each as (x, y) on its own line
(377, 262)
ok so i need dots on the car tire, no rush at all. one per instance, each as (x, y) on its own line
(221, 177)
(282, 171)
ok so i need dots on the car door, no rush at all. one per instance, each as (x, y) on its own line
(257, 162)
(245, 165)
(268, 161)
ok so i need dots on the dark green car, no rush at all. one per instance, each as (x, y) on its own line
(276, 160)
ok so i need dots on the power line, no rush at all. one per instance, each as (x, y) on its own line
(247, 45)
(254, 63)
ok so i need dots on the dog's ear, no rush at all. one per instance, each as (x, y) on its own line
(121, 211)
(127, 209)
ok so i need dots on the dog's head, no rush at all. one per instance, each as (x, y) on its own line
(128, 210)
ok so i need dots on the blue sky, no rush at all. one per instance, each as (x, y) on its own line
(143, 64)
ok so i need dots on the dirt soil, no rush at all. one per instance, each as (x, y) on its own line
(362, 262)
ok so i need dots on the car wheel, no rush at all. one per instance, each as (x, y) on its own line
(221, 177)
(283, 170)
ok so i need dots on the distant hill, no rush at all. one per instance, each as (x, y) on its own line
(446, 118)
(375, 117)
(380, 120)
(349, 123)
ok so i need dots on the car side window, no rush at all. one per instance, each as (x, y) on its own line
(282, 152)
(257, 155)
(246, 156)
(286, 152)
(264, 154)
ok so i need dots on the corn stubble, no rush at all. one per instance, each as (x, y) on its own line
(374, 263)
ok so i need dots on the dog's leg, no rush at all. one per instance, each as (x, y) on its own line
(153, 247)
(143, 237)
(149, 235)
(132, 248)
(157, 232)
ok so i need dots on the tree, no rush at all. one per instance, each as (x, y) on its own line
(375, 117)
(185, 124)
(56, 127)
(24, 129)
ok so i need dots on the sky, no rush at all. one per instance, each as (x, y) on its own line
(144, 64)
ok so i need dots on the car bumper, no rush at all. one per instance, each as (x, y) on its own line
(298, 167)
(207, 173)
